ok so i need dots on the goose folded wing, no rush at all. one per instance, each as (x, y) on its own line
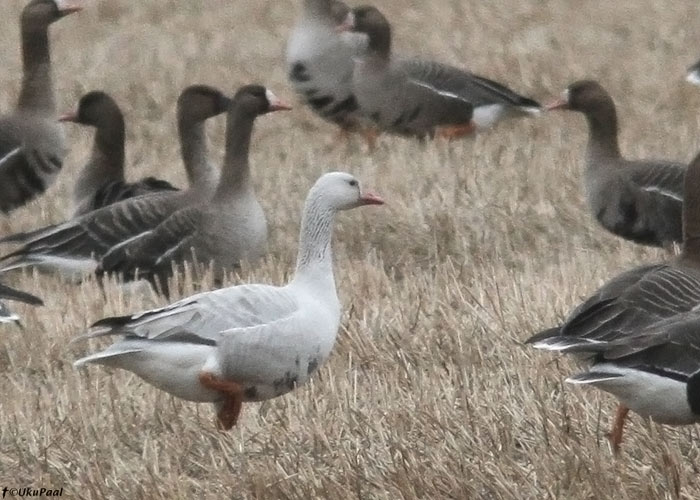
(8, 293)
(117, 191)
(661, 179)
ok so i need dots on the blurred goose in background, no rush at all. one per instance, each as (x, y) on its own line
(75, 246)
(7, 293)
(319, 63)
(639, 200)
(693, 75)
(32, 144)
(248, 342)
(630, 303)
(225, 230)
(423, 98)
(101, 181)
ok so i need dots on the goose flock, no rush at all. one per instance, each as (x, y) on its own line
(638, 335)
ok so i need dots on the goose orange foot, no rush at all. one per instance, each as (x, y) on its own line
(452, 132)
(615, 435)
(233, 398)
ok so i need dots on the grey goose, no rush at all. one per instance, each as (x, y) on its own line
(101, 181)
(423, 98)
(224, 230)
(7, 293)
(647, 297)
(75, 246)
(639, 200)
(32, 144)
(249, 342)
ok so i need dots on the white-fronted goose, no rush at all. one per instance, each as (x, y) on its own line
(101, 181)
(249, 342)
(693, 75)
(636, 299)
(7, 293)
(423, 98)
(32, 144)
(319, 63)
(225, 230)
(639, 200)
(75, 246)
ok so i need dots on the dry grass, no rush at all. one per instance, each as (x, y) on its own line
(429, 393)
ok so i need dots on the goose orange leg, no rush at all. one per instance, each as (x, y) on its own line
(451, 132)
(615, 435)
(233, 398)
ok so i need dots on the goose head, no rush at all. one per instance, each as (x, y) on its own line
(95, 109)
(371, 22)
(42, 13)
(257, 100)
(201, 102)
(586, 96)
(342, 191)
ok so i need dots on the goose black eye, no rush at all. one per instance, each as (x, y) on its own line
(353, 183)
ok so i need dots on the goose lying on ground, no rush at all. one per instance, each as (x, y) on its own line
(423, 98)
(225, 230)
(75, 246)
(632, 302)
(32, 144)
(7, 293)
(101, 181)
(248, 342)
(639, 200)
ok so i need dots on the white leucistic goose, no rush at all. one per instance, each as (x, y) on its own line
(632, 302)
(423, 98)
(32, 144)
(319, 63)
(101, 181)
(693, 74)
(7, 293)
(75, 246)
(248, 342)
(225, 230)
(639, 200)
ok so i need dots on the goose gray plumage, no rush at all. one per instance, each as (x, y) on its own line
(223, 231)
(423, 98)
(75, 246)
(693, 74)
(248, 342)
(7, 293)
(635, 300)
(639, 200)
(101, 181)
(32, 144)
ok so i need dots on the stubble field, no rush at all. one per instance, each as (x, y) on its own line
(429, 392)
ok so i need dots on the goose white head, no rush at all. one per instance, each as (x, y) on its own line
(342, 191)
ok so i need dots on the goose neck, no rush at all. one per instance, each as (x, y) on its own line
(195, 154)
(691, 212)
(235, 174)
(37, 86)
(315, 261)
(602, 133)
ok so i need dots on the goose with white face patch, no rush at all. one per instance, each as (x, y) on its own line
(423, 98)
(248, 342)
(629, 307)
(7, 293)
(101, 181)
(639, 200)
(32, 143)
(75, 247)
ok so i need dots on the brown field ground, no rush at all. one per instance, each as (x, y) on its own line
(429, 392)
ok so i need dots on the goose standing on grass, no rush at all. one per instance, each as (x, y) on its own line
(32, 144)
(640, 301)
(693, 75)
(423, 98)
(7, 293)
(225, 230)
(639, 200)
(101, 181)
(75, 246)
(248, 342)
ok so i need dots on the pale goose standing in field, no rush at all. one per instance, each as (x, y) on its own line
(7, 293)
(423, 98)
(101, 181)
(632, 302)
(248, 342)
(693, 74)
(225, 230)
(639, 200)
(75, 246)
(32, 144)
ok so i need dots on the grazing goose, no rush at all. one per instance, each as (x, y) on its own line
(248, 342)
(636, 300)
(639, 200)
(32, 145)
(225, 230)
(319, 63)
(101, 181)
(7, 293)
(693, 75)
(423, 98)
(75, 246)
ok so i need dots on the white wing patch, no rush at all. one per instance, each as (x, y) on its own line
(663, 192)
(10, 155)
(435, 90)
